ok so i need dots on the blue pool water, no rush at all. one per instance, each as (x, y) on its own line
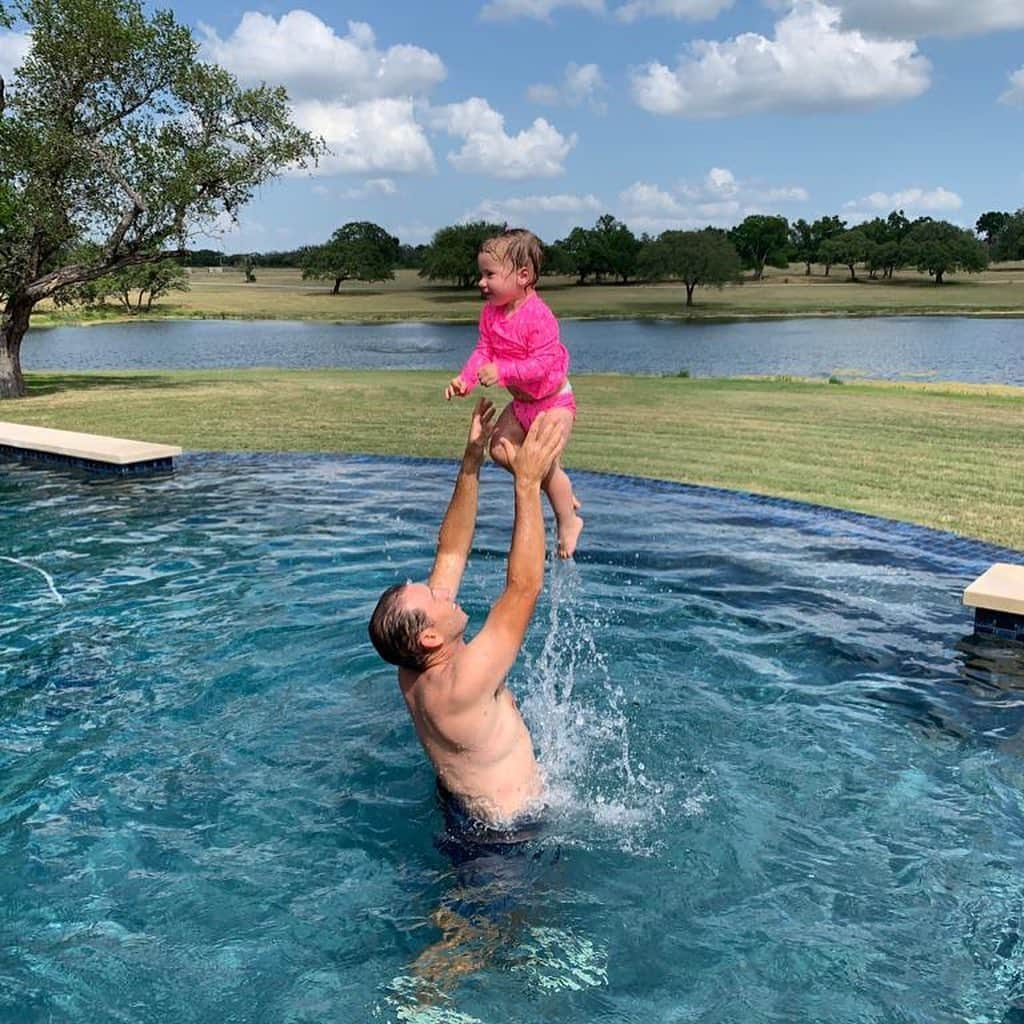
(786, 781)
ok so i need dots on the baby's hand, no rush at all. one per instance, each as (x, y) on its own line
(456, 388)
(488, 374)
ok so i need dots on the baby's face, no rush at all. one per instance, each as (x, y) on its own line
(500, 283)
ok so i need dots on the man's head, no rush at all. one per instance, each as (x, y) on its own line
(413, 622)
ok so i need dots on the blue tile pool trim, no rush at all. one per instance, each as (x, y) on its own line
(988, 622)
(56, 460)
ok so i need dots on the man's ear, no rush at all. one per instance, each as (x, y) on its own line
(430, 639)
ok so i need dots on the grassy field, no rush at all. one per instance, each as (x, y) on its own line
(282, 294)
(947, 456)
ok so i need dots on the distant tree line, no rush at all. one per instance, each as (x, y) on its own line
(609, 252)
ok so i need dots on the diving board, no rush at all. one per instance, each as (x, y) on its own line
(85, 451)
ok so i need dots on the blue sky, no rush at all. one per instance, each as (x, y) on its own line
(665, 113)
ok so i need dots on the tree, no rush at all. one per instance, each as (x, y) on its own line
(761, 240)
(357, 251)
(823, 229)
(451, 255)
(695, 257)
(849, 248)
(990, 224)
(147, 281)
(939, 248)
(803, 243)
(114, 132)
(1009, 243)
(579, 254)
(614, 248)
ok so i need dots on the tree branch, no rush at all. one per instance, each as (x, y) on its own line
(79, 273)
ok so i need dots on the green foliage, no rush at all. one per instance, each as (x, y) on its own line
(451, 255)
(135, 286)
(608, 249)
(938, 248)
(761, 241)
(990, 224)
(695, 257)
(357, 251)
(1008, 244)
(115, 133)
(803, 243)
(848, 248)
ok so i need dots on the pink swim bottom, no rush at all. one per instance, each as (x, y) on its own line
(527, 412)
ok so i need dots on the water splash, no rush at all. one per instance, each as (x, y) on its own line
(42, 572)
(578, 719)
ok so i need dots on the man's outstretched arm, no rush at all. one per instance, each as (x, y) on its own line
(455, 537)
(493, 651)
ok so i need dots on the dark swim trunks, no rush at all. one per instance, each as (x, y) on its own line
(466, 837)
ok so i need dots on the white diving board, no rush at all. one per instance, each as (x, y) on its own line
(85, 451)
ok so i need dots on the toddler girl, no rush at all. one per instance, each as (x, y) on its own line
(519, 349)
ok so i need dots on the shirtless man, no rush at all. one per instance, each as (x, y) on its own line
(466, 718)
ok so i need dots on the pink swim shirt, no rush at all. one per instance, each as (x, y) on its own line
(525, 347)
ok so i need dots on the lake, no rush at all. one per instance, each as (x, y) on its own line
(898, 348)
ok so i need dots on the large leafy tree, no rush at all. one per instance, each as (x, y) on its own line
(938, 248)
(990, 224)
(848, 248)
(803, 243)
(694, 257)
(614, 248)
(822, 230)
(451, 255)
(761, 241)
(113, 133)
(357, 251)
(1008, 244)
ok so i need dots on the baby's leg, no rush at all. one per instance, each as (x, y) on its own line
(509, 428)
(558, 488)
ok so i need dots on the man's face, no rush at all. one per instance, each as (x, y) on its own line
(439, 606)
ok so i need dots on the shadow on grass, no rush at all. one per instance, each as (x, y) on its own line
(41, 384)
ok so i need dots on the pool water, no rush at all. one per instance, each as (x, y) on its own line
(785, 780)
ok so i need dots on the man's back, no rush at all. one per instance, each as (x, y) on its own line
(481, 750)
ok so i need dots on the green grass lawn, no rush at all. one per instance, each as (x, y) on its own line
(947, 456)
(282, 294)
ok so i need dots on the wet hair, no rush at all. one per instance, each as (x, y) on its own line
(395, 629)
(516, 247)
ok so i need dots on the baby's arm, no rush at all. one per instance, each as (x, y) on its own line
(466, 380)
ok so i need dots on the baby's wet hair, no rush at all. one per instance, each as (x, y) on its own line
(516, 247)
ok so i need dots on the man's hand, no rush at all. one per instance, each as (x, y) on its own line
(537, 453)
(456, 389)
(480, 428)
(488, 374)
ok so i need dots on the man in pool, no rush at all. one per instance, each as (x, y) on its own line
(466, 718)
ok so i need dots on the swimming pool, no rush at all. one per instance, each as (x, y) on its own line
(786, 781)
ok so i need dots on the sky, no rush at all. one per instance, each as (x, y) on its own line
(665, 113)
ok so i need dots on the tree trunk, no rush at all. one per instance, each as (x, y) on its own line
(12, 329)
(828, 267)
(689, 292)
(337, 285)
(807, 272)
(853, 271)
(938, 276)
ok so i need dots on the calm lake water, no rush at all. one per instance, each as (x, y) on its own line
(918, 348)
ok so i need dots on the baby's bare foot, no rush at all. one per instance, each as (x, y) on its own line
(569, 536)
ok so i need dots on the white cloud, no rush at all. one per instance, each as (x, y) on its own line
(720, 198)
(810, 65)
(499, 10)
(580, 83)
(371, 187)
(305, 55)
(692, 10)
(1014, 96)
(516, 207)
(536, 152)
(379, 136)
(415, 233)
(14, 46)
(913, 201)
(916, 18)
